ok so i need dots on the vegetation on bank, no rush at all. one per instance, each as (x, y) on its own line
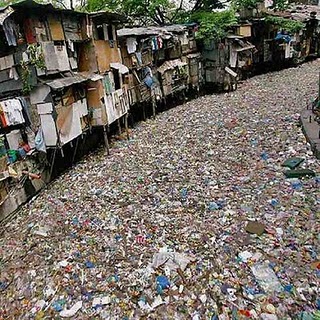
(288, 25)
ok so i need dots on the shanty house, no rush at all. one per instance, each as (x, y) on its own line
(141, 48)
(185, 36)
(108, 97)
(173, 77)
(217, 71)
(241, 53)
(286, 37)
(61, 74)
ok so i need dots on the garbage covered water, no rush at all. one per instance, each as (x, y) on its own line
(193, 218)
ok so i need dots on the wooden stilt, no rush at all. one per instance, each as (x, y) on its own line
(106, 141)
(52, 163)
(84, 139)
(126, 125)
(154, 107)
(75, 150)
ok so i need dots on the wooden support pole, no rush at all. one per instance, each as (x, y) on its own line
(52, 163)
(126, 125)
(153, 108)
(106, 141)
(75, 150)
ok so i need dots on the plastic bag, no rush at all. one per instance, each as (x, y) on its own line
(266, 277)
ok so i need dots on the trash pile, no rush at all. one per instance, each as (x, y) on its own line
(193, 218)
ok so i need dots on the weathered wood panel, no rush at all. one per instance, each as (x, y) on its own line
(106, 54)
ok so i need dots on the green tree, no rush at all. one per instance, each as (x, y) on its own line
(214, 25)
(154, 11)
(143, 11)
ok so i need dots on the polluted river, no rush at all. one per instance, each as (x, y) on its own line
(192, 218)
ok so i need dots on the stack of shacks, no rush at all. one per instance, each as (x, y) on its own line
(279, 47)
(230, 59)
(163, 62)
(61, 76)
(259, 42)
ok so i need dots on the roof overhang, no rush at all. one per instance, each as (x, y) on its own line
(119, 66)
(107, 16)
(61, 83)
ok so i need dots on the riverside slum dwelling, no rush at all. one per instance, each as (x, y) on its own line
(163, 63)
(228, 60)
(137, 46)
(263, 40)
(54, 91)
(274, 44)
(299, 40)
(284, 38)
(108, 98)
(242, 50)
(171, 69)
(186, 51)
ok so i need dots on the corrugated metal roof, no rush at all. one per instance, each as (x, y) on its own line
(30, 4)
(48, 6)
(171, 64)
(151, 31)
(234, 37)
(5, 12)
(241, 44)
(69, 81)
(129, 32)
(176, 28)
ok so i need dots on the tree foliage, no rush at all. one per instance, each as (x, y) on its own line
(214, 25)
(246, 4)
(140, 11)
(288, 25)
(208, 5)
(154, 11)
